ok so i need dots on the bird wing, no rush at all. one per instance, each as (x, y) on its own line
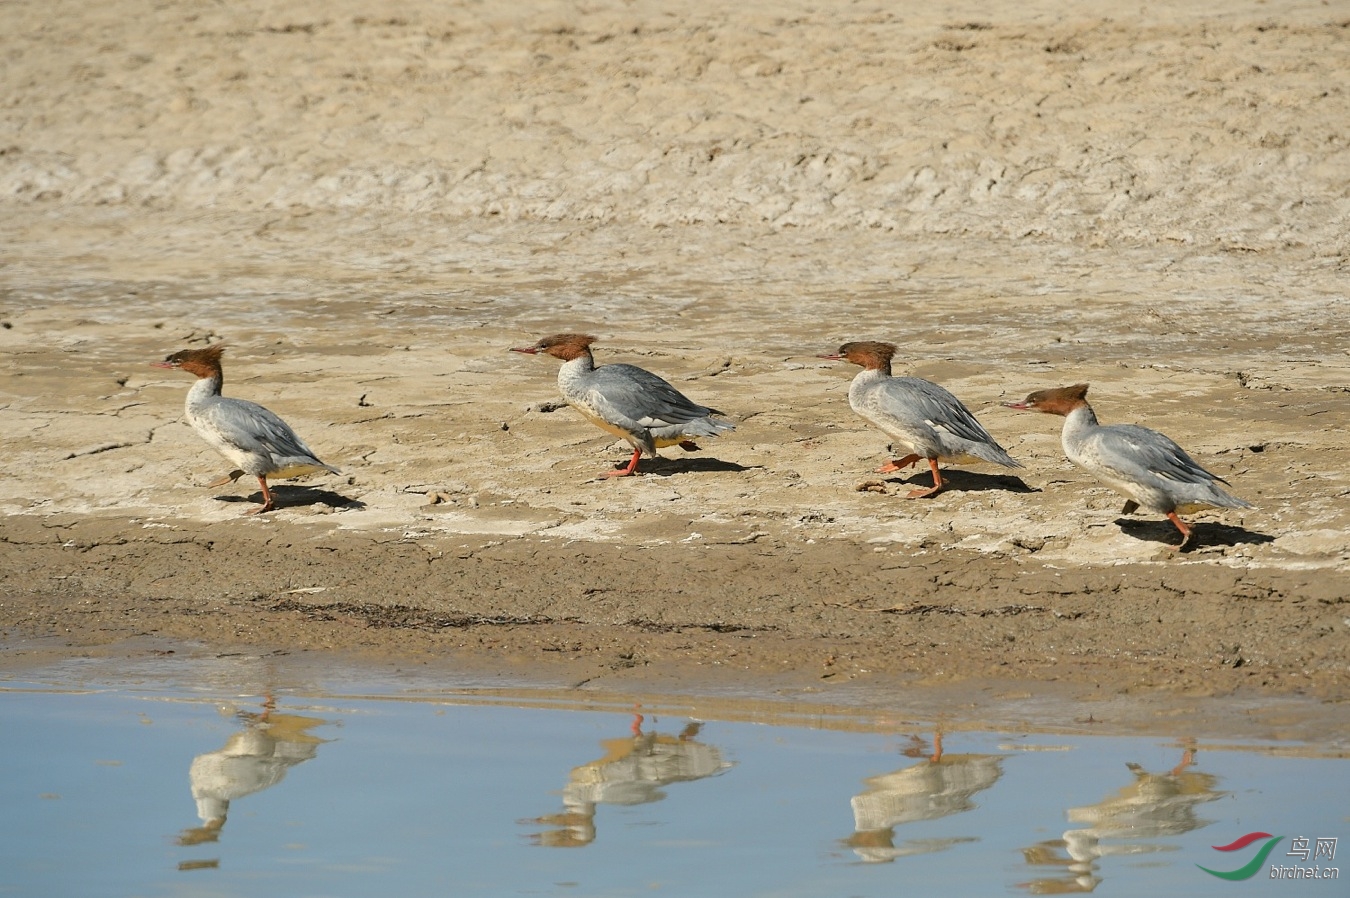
(628, 395)
(913, 398)
(252, 428)
(1127, 447)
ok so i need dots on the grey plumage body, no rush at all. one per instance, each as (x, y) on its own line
(244, 432)
(924, 417)
(1143, 464)
(1148, 467)
(627, 401)
(250, 436)
(636, 405)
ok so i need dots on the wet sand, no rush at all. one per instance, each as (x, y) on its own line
(371, 212)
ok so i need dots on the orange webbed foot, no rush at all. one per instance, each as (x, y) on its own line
(225, 478)
(898, 464)
(932, 490)
(1185, 530)
(267, 498)
(630, 470)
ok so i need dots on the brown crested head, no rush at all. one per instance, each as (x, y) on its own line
(866, 353)
(560, 346)
(1056, 401)
(201, 362)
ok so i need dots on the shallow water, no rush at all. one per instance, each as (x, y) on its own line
(195, 790)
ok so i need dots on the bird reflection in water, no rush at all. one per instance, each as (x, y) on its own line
(938, 786)
(1154, 805)
(631, 772)
(253, 759)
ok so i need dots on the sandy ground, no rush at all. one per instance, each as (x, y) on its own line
(371, 208)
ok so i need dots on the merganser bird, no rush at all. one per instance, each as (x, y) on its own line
(1142, 464)
(918, 414)
(244, 432)
(627, 401)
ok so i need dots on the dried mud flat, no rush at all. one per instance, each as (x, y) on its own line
(371, 212)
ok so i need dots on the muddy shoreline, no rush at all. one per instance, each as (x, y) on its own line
(828, 613)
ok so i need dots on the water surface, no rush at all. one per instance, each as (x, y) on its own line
(132, 790)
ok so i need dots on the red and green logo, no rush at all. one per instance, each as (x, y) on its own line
(1247, 870)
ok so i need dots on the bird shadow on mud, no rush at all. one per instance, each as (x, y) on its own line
(967, 481)
(1202, 534)
(295, 496)
(669, 467)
